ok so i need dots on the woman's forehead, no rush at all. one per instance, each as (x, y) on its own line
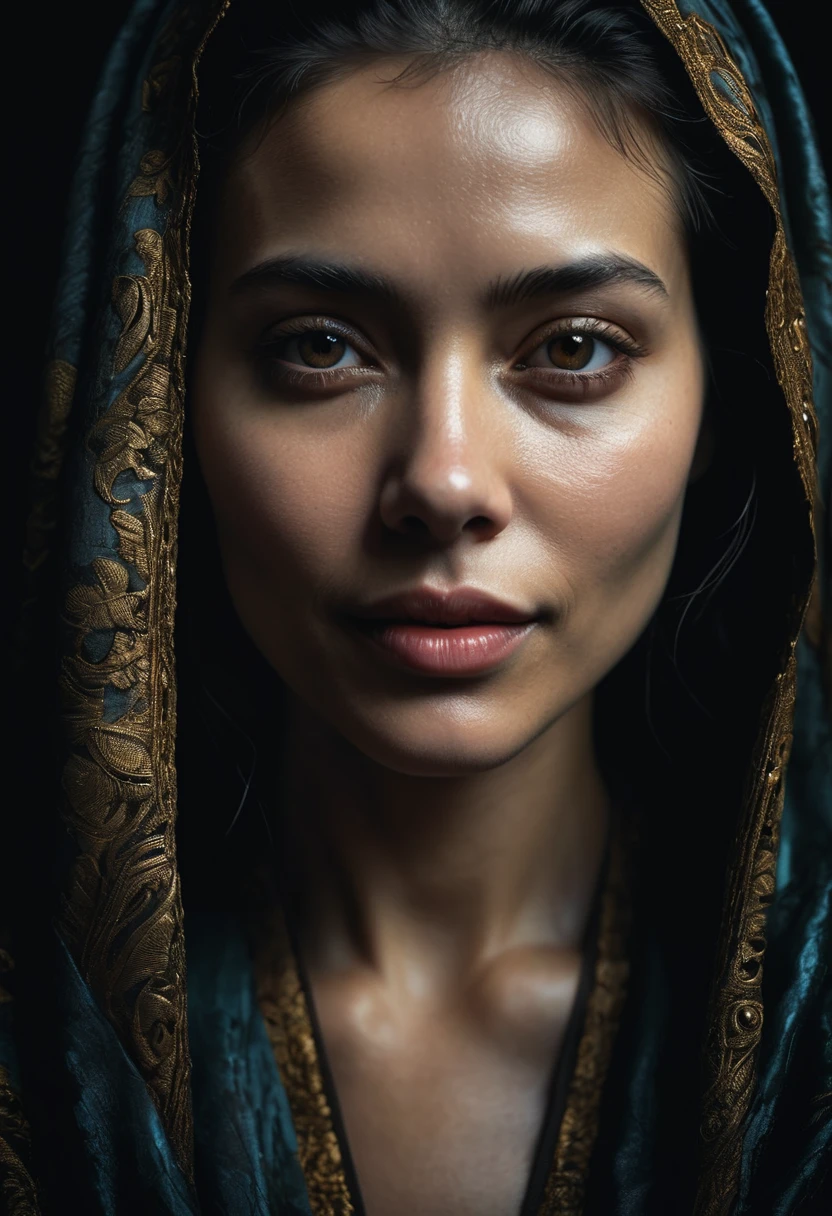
(485, 167)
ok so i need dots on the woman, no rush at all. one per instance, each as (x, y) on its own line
(496, 543)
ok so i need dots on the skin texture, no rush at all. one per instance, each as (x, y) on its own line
(452, 828)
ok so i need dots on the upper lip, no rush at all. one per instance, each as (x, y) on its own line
(460, 606)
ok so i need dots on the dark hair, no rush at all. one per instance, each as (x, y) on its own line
(609, 56)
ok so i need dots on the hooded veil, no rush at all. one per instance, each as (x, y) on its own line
(141, 1068)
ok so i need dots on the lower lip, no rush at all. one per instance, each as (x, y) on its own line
(464, 650)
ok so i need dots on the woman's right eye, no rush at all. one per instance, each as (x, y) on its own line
(315, 349)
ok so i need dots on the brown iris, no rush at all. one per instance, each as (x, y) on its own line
(321, 348)
(571, 352)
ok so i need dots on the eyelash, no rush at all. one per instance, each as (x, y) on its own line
(268, 346)
(581, 384)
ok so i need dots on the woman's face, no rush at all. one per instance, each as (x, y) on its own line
(450, 349)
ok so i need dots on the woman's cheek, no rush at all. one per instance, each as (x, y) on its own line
(610, 514)
(286, 504)
(636, 513)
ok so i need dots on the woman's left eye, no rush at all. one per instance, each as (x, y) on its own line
(572, 352)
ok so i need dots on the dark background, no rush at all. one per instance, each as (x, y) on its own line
(58, 49)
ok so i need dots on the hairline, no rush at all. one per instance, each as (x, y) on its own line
(653, 157)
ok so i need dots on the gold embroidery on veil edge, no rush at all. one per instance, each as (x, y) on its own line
(736, 1016)
(121, 913)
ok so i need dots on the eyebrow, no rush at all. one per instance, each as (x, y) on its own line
(584, 274)
(324, 276)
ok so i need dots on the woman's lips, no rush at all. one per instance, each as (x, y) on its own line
(462, 632)
(458, 650)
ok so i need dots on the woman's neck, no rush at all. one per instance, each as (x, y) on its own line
(425, 879)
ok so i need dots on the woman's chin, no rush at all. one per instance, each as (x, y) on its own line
(439, 748)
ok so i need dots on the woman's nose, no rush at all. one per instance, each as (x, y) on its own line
(448, 478)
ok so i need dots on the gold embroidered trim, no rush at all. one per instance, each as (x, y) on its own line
(283, 1005)
(121, 912)
(566, 1184)
(736, 1016)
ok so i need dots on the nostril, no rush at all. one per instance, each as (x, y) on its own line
(413, 524)
(478, 523)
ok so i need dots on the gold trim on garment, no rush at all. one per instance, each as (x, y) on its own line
(121, 912)
(121, 915)
(284, 1007)
(566, 1184)
(736, 1014)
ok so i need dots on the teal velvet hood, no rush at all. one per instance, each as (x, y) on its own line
(136, 1072)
